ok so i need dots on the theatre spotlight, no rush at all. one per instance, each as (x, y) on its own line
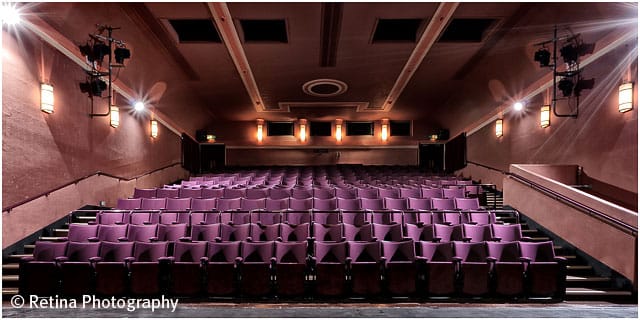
(566, 86)
(93, 87)
(121, 54)
(542, 56)
(569, 53)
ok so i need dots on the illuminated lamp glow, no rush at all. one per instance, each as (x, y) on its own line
(625, 97)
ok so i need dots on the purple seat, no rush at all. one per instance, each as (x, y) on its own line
(381, 217)
(144, 193)
(387, 232)
(297, 217)
(422, 232)
(129, 204)
(112, 217)
(185, 269)
(300, 204)
(477, 233)
(140, 217)
(348, 204)
(358, 233)
(203, 204)
(345, 193)
(372, 204)
(236, 232)
(545, 273)
(356, 218)
(255, 269)
(111, 271)
(326, 217)
(508, 268)
(327, 232)
(508, 232)
(451, 193)
(440, 271)
(167, 193)
(205, 232)
(178, 204)
(323, 193)
(231, 193)
(279, 193)
(400, 266)
(145, 267)
(209, 217)
(194, 193)
(266, 217)
(294, 233)
(224, 204)
(112, 232)
(171, 232)
(142, 233)
(482, 217)
(442, 204)
(208, 193)
(429, 193)
(330, 268)
(474, 267)
(170, 217)
(392, 193)
(235, 217)
(252, 204)
(408, 217)
(277, 204)
(79, 232)
(455, 217)
(290, 267)
(267, 232)
(301, 193)
(221, 268)
(39, 274)
(367, 193)
(257, 193)
(448, 233)
(365, 267)
(419, 203)
(325, 204)
(76, 267)
(410, 193)
(467, 203)
(473, 191)
(154, 203)
(396, 203)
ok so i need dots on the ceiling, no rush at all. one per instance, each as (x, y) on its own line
(197, 83)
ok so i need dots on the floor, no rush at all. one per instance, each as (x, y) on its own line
(55, 309)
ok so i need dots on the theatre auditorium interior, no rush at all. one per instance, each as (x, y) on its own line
(321, 159)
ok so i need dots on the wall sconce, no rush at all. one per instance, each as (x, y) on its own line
(259, 131)
(545, 116)
(46, 98)
(499, 128)
(338, 130)
(114, 116)
(303, 130)
(154, 128)
(384, 135)
(625, 97)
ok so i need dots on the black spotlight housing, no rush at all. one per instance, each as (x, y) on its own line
(100, 50)
(542, 56)
(121, 54)
(93, 87)
(566, 86)
(569, 53)
(86, 51)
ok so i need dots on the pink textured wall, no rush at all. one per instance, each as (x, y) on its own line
(42, 151)
(601, 140)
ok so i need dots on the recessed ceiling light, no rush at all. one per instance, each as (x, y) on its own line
(139, 106)
(518, 106)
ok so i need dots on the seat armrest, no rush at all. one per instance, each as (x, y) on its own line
(436, 239)
(95, 259)
(27, 259)
(525, 259)
(527, 239)
(63, 239)
(406, 239)
(560, 259)
(129, 260)
(456, 259)
(342, 239)
(466, 239)
(497, 239)
(420, 224)
(166, 259)
(204, 260)
(123, 239)
(422, 259)
(249, 239)
(153, 239)
(238, 260)
(61, 259)
(273, 260)
(120, 222)
(92, 222)
(218, 239)
(93, 239)
(184, 239)
(492, 259)
(348, 260)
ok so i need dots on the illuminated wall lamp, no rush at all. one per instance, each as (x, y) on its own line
(259, 131)
(499, 128)
(154, 128)
(46, 98)
(385, 132)
(114, 116)
(545, 116)
(625, 97)
(338, 132)
(303, 130)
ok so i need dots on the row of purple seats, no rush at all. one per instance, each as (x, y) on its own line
(298, 204)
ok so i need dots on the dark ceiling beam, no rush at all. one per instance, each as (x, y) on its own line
(142, 16)
(224, 22)
(438, 22)
(491, 42)
(330, 34)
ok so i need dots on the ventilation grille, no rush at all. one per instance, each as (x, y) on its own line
(396, 30)
(195, 30)
(264, 31)
(466, 30)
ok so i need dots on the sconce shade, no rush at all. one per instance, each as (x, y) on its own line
(46, 98)
(154, 128)
(303, 132)
(385, 132)
(114, 116)
(545, 116)
(625, 97)
(499, 128)
(259, 133)
(338, 132)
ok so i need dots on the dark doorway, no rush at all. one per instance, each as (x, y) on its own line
(431, 157)
(212, 157)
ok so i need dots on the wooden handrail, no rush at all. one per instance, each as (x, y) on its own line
(619, 224)
(98, 173)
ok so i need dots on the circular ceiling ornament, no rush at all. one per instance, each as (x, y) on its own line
(324, 87)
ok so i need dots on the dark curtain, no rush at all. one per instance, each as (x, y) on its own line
(455, 153)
